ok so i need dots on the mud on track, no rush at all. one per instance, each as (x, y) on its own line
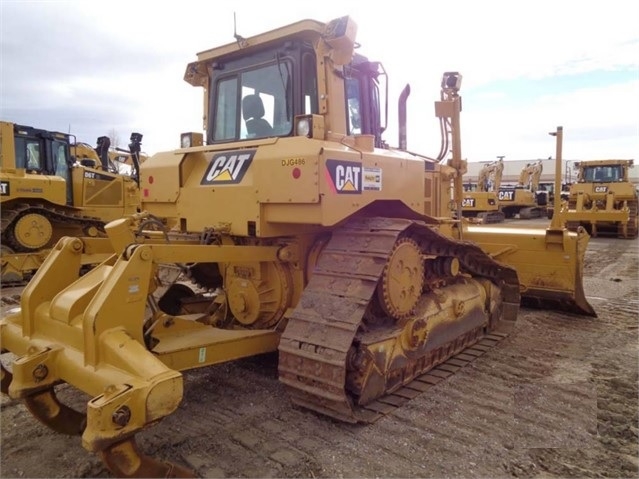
(557, 398)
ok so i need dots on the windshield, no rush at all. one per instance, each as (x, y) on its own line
(602, 174)
(254, 103)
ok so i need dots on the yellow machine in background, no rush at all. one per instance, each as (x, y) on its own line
(492, 202)
(483, 204)
(308, 235)
(84, 154)
(52, 187)
(603, 200)
(524, 199)
(118, 157)
(120, 160)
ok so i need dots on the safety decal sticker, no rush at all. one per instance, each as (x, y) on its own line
(344, 176)
(228, 167)
(5, 189)
(372, 179)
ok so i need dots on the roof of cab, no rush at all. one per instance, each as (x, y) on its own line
(309, 29)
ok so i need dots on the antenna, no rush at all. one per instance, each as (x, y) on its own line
(241, 41)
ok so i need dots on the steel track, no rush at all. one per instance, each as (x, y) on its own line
(55, 215)
(314, 348)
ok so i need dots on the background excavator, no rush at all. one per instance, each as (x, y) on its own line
(524, 199)
(305, 234)
(483, 203)
(53, 186)
(492, 202)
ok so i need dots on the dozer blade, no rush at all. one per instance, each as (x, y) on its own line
(549, 263)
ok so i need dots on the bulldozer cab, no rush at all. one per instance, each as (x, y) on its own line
(40, 151)
(266, 92)
(603, 173)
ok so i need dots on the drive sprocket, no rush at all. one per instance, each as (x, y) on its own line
(32, 231)
(402, 281)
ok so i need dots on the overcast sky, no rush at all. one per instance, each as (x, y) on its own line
(94, 67)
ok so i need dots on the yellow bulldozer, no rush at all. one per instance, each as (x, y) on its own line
(302, 232)
(603, 200)
(53, 186)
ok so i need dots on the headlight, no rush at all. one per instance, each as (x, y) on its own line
(451, 81)
(191, 139)
(304, 127)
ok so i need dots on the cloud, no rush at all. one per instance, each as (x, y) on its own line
(98, 66)
(597, 122)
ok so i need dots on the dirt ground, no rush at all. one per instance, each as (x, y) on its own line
(557, 398)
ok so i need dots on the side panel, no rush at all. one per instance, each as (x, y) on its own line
(477, 201)
(262, 190)
(105, 195)
(17, 184)
(351, 180)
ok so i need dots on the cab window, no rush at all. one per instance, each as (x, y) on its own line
(28, 154)
(603, 174)
(353, 113)
(309, 84)
(60, 163)
(254, 103)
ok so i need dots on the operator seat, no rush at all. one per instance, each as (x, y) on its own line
(253, 111)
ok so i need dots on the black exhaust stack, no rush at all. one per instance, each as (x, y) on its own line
(403, 98)
(104, 142)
